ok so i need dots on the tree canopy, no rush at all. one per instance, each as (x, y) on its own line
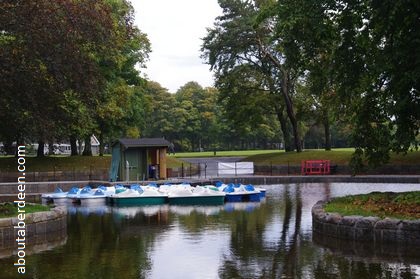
(329, 61)
(293, 72)
(62, 63)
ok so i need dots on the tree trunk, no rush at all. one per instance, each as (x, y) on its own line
(73, 146)
(87, 151)
(285, 130)
(40, 151)
(285, 88)
(101, 144)
(50, 148)
(19, 142)
(327, 132)
(80, 147)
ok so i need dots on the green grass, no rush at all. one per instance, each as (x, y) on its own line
(404, 205)
(259, 157)
(57, 163)
(173, 162)
(337, 156)
(66, 163)
(235, 153)
(11, 210)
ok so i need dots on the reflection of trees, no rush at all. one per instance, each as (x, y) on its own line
(198, 222)
(284, 260)
(293, 255)
(247, 241)
(248, 253)
(103, 247)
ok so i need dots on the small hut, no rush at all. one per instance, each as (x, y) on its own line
(139, 159)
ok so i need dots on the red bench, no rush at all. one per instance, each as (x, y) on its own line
(310, 167)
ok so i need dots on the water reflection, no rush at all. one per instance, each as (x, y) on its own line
(271, 239)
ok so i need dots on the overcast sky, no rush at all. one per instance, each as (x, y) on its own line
(175, 29)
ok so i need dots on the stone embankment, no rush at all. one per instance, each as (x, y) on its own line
(41, 227)
(365, 229)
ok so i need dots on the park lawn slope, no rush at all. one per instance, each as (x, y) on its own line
(404, 205)
(233, 153)
(66, 163)
(336, 156)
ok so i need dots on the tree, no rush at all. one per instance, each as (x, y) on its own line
(158, 111)
(377, 75)
(249, 102)
(120, 110)
(61, 61)
(244, 35)
(48, 48)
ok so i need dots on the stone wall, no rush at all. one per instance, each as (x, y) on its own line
(41, 228)
(364, 229)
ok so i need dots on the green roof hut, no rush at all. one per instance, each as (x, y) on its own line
(139, 159)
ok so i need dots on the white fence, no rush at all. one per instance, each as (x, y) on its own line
(235, 168)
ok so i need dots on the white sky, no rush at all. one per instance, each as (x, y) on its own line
(175, 29)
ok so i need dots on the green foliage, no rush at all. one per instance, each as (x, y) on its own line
(331, 61)
(250, 64)
(68, 69)
(409, 198)
(378, 91)
(286, 71)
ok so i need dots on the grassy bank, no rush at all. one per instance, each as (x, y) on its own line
(234, 153)
(394, 205)
(337, 156)
(259, 157)
(340, 156)
(66, 163)
(11, 210)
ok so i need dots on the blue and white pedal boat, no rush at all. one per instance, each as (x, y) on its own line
(57, 197)
(241, 193)
(87, 195)
(185, 194)
(138, 195)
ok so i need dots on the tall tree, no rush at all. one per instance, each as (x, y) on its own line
(244, 36)
(63, 62)
(119, 111)
(377, 75)
(49, 48)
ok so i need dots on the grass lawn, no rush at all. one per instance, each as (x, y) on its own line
(337, 156)
(235, 153)
(58, 163)
(9, 209)
(395, 205)
(68, 163)
(259, 157)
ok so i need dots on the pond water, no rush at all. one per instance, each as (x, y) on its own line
(271, 239)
